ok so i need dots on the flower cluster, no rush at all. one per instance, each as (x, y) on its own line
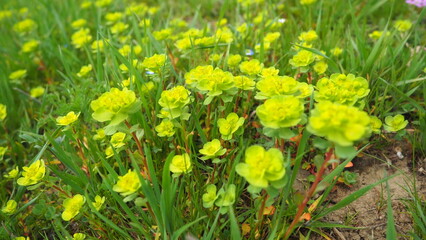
(222, 198)
(271, 86)
(68, 119)
(33, 174)
(165, 128)
(127, 184)
(341, 88)
(212, 81)
(72, 206)
(338, 123)
(395, 123)
(114, 106)
(3, 112)
(181, 164)
(174, 102)
(280, 112)
(261, 167)
(212, 150)
(229, 125)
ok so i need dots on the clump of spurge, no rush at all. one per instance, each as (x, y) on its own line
(114, 107)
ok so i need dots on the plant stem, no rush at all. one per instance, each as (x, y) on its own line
(309, 194)
(261, 210)
(138, 143)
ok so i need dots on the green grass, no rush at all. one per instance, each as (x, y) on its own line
(167, 206)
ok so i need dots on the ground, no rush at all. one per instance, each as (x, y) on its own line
(369, 211)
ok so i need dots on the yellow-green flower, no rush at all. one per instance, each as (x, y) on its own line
(234, 60)
(72, 206)
(30, 46)
(212, 149)
(154, 62)
(99, 201)
(218, 82)
(308, 36)
(81, 38)
(277, 85)
(261, 167)
(302, 59)
(165, 128)
(19, 74)
(215, 57)
(109, 152)
(12, 173)
(244, 83)
(84, 70)
(68, 119)
(252, 67)
(395, 123)
(268, 72)
(229, 125)
(114, 106)
(272, 37)
(113, 17)
(4, 14)
(338, 123)
(100, 134)
(307, 2)
(78, 236)
(224, 35)
(336, 51)
(127, 184)
(210, 196)
(3, 112)
(341, 88)
(98, 45)
(376, 35)
(320, 67)
(37, 92)
(280, 112)
(24, 26)
(10, 207)
(173, 102)
(181, 164)
(33, 174)
(2, 151)
(22, 238)
(102, 3)
(119, 27)
(117, 139)
(376, 124)
(198, 74)
(403, 25)
(79, 23)
(147, 87)
(162, 34)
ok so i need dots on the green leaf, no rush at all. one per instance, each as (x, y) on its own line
(320, 143)
(390, 223)
(345, 151)
(352, 197)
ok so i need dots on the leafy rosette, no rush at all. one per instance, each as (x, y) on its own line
(115, 106)
(341, 88)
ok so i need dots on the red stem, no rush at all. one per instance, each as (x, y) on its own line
(309, 194)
